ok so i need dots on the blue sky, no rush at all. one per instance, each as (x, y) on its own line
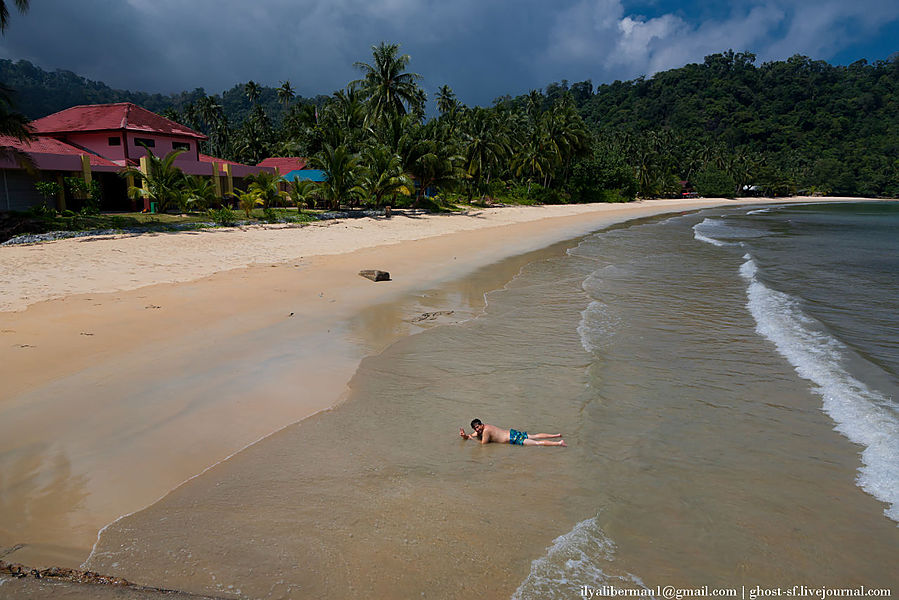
(481, 48)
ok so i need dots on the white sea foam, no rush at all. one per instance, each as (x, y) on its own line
(597, 326)
(575, 559)
(703, 232)
(865, 416)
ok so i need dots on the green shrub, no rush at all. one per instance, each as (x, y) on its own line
(224, 217)
(48, 189)
(42, 211)
(270, 216)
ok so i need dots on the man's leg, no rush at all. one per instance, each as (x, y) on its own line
(531, 442)
(544, 436)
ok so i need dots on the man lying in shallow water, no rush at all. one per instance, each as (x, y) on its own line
(489, 433)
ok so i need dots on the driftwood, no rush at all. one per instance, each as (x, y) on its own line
(375, 275)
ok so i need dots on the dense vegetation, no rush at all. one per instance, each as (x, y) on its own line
(724, 125)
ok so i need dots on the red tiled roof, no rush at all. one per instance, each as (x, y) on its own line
(284, 164)
(44, 145)
(208, 159)
(111, 117)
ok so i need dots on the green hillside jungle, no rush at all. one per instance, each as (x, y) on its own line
(727, 126)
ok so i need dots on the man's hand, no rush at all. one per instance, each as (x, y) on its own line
(464, 435)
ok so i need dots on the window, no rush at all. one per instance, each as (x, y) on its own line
(180, 146)
(115, 141)
(145, 142)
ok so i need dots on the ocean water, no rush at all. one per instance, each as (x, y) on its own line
(726, 383)
(823, 286)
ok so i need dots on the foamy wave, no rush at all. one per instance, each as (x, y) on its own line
(596, 327)
(864, 416)
(573, 561)
(702, 233)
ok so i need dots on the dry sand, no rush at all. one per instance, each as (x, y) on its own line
(132, 363)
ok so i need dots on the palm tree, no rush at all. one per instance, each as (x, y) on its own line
(255, 137)
(247, 201)
(13, 123)
(343, 120)
(386, 85)
(431, 162)
(265, 186)
(301, 191)
(341, 167)
(286, 94)
(16, 125)
(382, 175)
(163, 181)
(446, 100)
(22, 5)
(484, 145)
(252, 90)
(198, 193)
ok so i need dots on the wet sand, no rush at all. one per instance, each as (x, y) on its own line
(161, 367)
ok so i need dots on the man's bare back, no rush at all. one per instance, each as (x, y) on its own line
(490, 433)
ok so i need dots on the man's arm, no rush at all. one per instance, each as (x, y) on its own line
(485, 437)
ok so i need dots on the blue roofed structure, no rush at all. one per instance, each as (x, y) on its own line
(310, 174)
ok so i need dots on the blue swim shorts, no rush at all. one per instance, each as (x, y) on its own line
(517, 437)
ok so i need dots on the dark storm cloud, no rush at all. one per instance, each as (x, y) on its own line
(480, 48)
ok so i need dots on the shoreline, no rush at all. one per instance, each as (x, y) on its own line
(181, 337)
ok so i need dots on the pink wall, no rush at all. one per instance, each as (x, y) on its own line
(163, 145)
(99, 143)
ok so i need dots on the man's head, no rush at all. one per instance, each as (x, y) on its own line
(477, 425)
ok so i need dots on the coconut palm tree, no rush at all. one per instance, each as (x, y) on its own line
(163, 182)
(343, 120)
(341, 167)
(22, 5)
(446, 100)
(198, 193)
(301, 191)
(386, 85)
(382, 175)
(484, 145)
(286, 94)
(265, 186)
(247, 201)
(252, 90)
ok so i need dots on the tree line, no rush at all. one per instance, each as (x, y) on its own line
(726, 126)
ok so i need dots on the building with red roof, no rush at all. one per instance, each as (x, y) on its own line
(111, 136)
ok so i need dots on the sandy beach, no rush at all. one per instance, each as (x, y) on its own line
(134, 363)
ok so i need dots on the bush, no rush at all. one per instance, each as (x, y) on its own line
(42, 211)
(48, 190)
(269, 215)
(224, 217)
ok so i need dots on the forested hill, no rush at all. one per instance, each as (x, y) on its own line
(785, 126)
(38, 93)
(807, 122)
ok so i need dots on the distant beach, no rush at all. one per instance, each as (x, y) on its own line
(139, 362)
